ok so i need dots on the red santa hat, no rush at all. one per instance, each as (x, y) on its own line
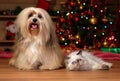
(43, 4)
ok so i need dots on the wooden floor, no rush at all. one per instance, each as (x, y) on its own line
(8, 73)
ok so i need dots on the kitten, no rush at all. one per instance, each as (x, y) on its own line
(84, 60)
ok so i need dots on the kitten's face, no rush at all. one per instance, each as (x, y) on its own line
(74, 60)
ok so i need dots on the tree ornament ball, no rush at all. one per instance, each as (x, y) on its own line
(62, 19)
(93, 20)
(81, 7)
(105, 19)
(105, 44)
(76, 19)
(72, 3)
(89, 12)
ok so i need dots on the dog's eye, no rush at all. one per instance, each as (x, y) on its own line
(79, 60)
(40, 16)
(30, 15)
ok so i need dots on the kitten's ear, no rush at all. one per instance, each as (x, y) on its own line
(79, 53)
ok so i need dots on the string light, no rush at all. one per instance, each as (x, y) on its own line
(67, 14)
(103, 33)
(87, 18)
(63, 39)
(58, 11)
(105, 26)
(81, 17)
(84, 4)
(95, 35)
(111, 22)
(66, 43)
(95, 27)
(84, 27)
(77, 42)
(60, 33)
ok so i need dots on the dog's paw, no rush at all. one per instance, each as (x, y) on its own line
(12, 62)
(43, 67)
(46, 68)
(25, 68)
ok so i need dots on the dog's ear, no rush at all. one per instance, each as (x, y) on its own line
(18, 35)
(50, 41)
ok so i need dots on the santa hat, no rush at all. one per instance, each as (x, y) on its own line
(43, 4)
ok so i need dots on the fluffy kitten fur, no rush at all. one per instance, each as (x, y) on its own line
(84, 60)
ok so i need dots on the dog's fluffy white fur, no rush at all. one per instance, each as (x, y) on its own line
(37, 45)
(84, 60)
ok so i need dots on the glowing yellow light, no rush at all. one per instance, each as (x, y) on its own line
(77, 42)
(62, 39)
(105, 43)
(77, 36)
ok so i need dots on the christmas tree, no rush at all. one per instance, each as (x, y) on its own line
(87, 23)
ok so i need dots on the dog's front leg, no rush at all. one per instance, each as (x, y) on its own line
(47, 67)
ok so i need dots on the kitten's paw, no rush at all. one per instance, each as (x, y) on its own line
(105, 67)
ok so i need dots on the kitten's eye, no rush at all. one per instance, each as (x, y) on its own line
(67, 57)
(40, 16)
(74, 62)
(30, 15)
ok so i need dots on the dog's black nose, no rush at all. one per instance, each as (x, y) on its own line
(34, 20)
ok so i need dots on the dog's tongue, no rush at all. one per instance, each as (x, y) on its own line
(34, 26)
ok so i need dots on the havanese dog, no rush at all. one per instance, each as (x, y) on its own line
(37, 46)
(84, 60)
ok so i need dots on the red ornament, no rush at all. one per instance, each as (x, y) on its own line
(89, 12)
(92, 1)
(72, 3)
(57, 30)
(105, 20)
(76, 19)
(79, 41)
(62, 19)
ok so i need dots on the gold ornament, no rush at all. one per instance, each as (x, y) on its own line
(105, 19)
(77, 36)
(93, 20)
(78, 2)
(105, 43)
(81, 7)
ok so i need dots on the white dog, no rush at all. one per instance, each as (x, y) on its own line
(37, 45)
(84, 60)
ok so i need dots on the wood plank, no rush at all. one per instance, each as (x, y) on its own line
(9, 73)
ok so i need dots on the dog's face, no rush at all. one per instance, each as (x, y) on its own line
(35, 22)
(34, 19)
